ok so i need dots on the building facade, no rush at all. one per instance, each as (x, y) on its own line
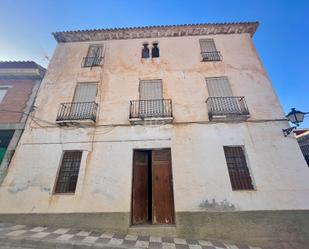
(19, 83)
(302, 136)
(166, 125)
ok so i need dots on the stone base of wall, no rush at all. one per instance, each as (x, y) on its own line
(115, 222)
(278, 229)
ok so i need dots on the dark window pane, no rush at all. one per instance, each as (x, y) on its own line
(145, 51)
(155, 51)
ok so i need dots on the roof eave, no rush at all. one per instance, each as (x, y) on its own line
(156, 31)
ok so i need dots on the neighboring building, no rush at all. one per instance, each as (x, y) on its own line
(174, 125)
(302, 136)
(19, 83)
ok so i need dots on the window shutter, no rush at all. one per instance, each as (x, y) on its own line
(237, 167)
(85, 92)
(95, 51)
(219, 87)
(207, 45)
(140, 187)
(162, 187)
(150, 89)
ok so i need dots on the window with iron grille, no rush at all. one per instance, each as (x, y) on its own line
(68, 173)
(209, 51)
(94, 56)
(237, 167)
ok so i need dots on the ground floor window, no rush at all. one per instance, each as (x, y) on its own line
(68, 172)
(237, 167)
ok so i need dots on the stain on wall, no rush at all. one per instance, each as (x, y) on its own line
(213, 205)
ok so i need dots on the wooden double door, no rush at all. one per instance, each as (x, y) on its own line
(152, 188)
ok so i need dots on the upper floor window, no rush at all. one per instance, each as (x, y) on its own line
(155, 53)
(145, 51)
(219, 87)
(221, 103)
(155, 50)
(2, 93)
(94, 56)
(237, 167)
(68, 173)
(209, 51)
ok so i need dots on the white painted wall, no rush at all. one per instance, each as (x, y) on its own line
(199, 169)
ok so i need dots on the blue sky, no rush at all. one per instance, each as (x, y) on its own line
(282, 39)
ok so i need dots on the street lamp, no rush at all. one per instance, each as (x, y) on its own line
(295, 117)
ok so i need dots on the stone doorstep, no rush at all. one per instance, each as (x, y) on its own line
(57, 238)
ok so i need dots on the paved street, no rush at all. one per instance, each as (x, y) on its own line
(25, 236)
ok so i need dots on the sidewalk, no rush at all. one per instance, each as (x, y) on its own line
(26, 236)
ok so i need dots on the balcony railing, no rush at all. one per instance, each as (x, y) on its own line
(92, 61)
(228, 107)
(155, 108)
(211, 56)
(77, 111)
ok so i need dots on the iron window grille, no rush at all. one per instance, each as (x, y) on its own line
(92, 61)
(77, 111)
(237, 167)
(68, 173)
(211, 56)
(151, 108)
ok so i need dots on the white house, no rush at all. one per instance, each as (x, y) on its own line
(173, 126)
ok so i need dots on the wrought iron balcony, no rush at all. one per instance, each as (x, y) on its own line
(227, 108)
(92, 61)
(77, 111)
(151, 109)
(211, 56)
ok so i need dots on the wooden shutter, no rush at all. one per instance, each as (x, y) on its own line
(140, 187)
(68, 173)
(207, 45)
(95, 51)
(219, 87)
(150, 89)
(237, 167)
(162, 187)
(85, 92)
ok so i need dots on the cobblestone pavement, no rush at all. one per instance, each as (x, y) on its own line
(25, 236)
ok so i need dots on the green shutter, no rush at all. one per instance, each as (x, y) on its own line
(2, 152)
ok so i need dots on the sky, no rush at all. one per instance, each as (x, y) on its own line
(282, 38)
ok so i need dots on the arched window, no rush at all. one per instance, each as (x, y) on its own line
(145, 51)
(155, 50)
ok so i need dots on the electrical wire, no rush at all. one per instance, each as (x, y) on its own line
(28, 114)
